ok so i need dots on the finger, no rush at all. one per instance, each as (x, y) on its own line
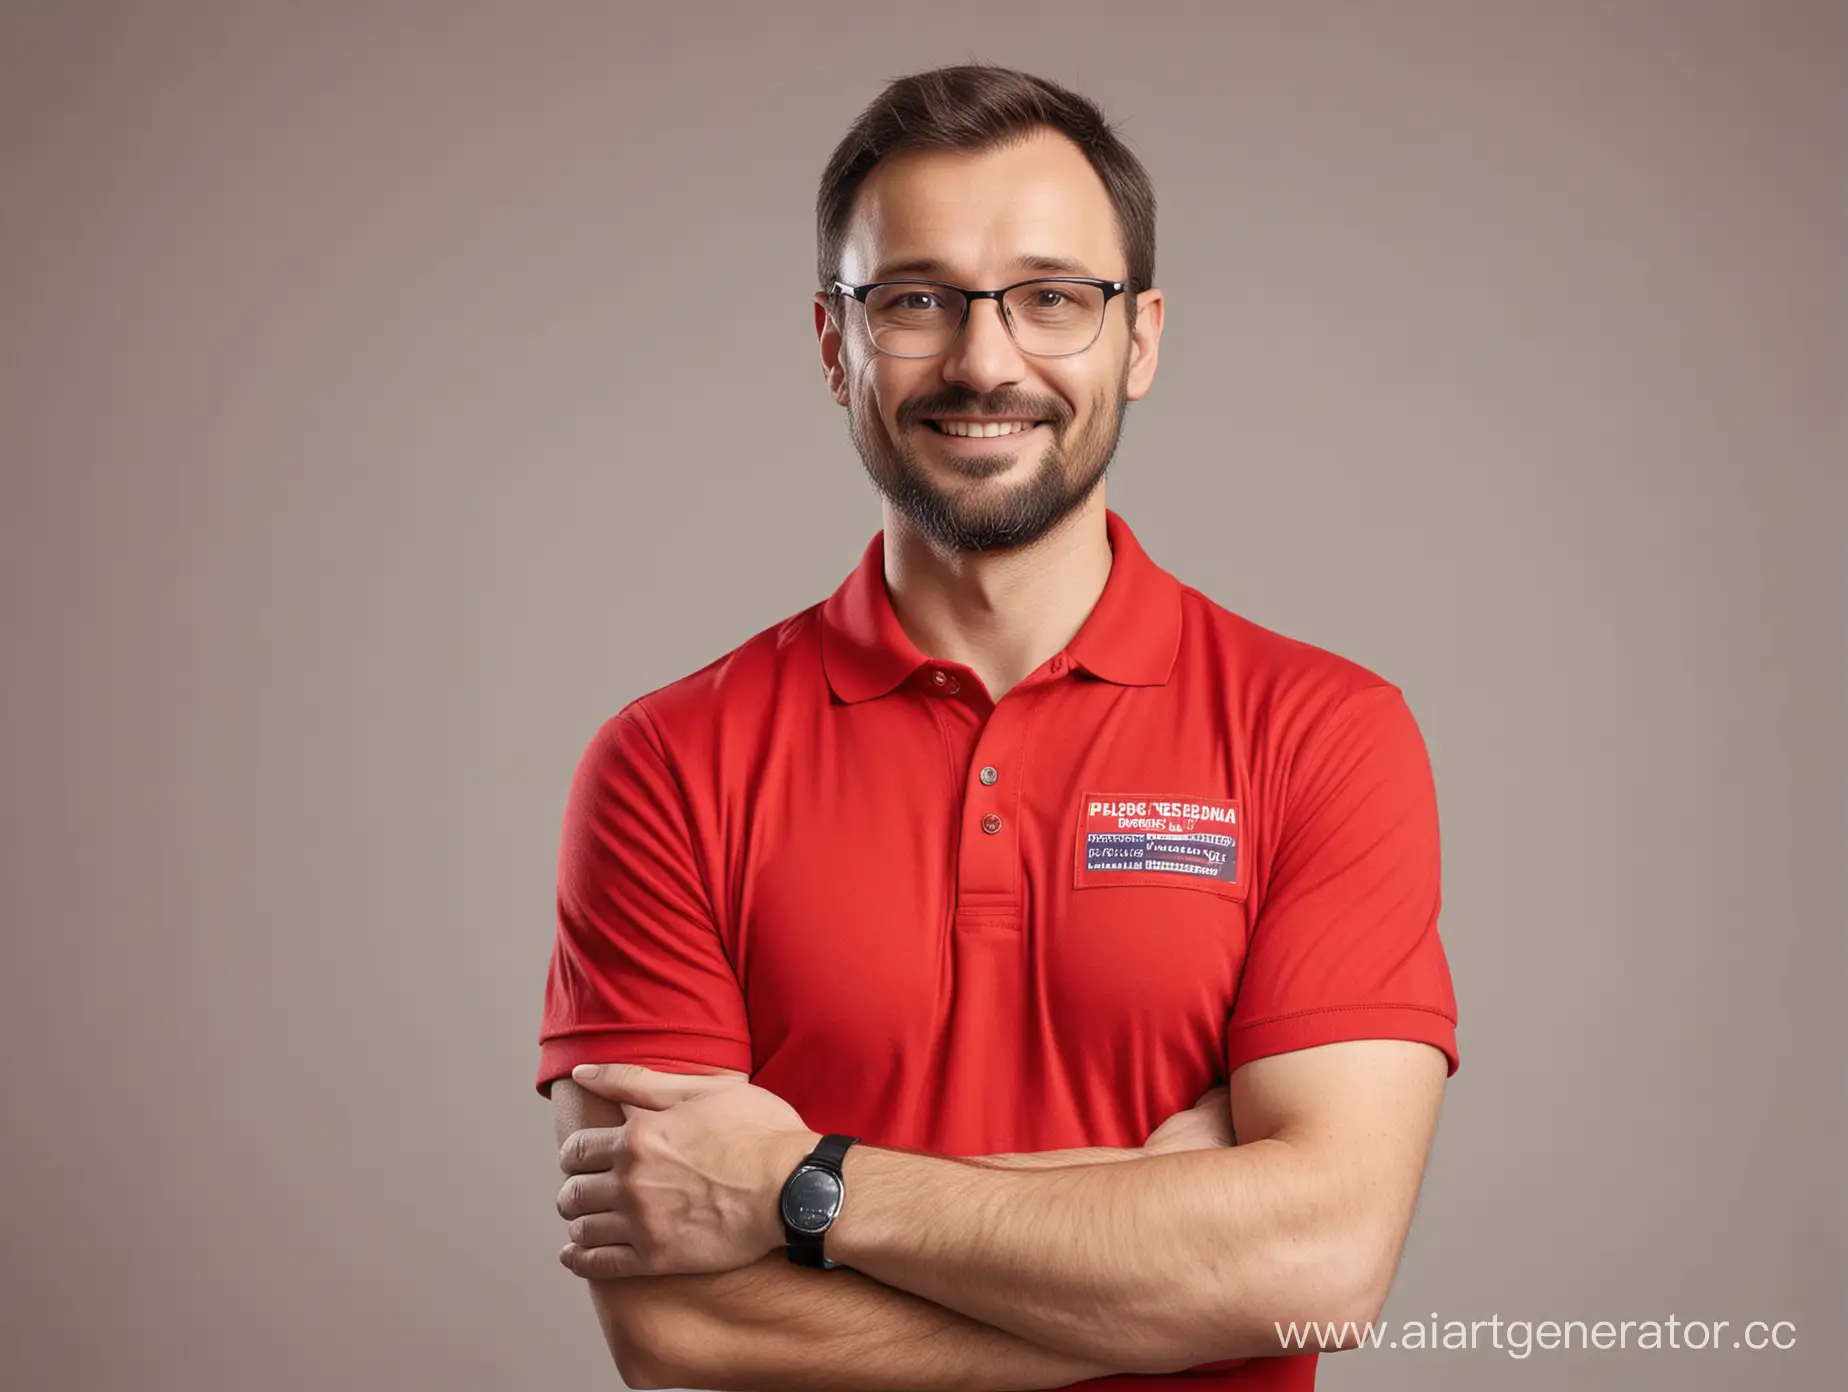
(602, 1230)
(601, 1263)
(589, 1193)
(591, 1149)
(644, 1087)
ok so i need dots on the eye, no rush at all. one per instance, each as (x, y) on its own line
(914, 299)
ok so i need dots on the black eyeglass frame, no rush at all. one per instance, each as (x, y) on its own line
(1111, 289)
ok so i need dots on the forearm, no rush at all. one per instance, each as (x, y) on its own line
(775, 1327)
(771, 1325)
(1154, 1265)
(1054, 1159)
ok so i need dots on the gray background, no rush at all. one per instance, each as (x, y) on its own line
(374, 425)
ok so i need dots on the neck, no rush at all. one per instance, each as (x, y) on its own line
(1001, 613)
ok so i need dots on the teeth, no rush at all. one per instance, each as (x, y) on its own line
(984, 429)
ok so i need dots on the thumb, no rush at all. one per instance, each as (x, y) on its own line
(638, 1086)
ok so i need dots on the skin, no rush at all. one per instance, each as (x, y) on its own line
(1000, 608)
(713, 1217)
(1197, 1255)
(989, 1271)
(770, 1325)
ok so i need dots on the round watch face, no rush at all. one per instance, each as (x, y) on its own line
(812, 1201)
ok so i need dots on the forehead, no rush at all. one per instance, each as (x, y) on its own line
(1031, 208)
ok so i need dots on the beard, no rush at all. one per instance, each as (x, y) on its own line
(978, 515)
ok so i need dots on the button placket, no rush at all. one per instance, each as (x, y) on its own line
(988, 870)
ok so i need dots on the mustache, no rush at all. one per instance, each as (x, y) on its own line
(1014, 408)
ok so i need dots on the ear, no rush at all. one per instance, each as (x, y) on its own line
(828, 330)
(1144, 345)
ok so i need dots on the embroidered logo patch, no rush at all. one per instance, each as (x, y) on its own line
(1152, 840)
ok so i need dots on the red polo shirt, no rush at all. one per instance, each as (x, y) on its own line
(942, 922)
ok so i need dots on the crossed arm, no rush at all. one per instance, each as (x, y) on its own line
(1039, 1271)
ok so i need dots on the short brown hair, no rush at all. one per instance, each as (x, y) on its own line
(974, 107)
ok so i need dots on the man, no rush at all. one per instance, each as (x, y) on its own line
(918, 959)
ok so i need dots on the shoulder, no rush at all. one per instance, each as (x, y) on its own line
(1284, 690)
(739, 689)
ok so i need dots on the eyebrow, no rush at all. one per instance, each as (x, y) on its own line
(932, 267)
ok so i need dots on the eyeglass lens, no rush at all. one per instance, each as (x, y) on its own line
(1046, 317)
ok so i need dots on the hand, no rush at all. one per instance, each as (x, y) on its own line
(689, 1183)
(1206, 1124)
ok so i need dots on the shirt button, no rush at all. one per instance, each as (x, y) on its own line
(940, 676)
(989, 775)
(991, 824)
(1058, 664)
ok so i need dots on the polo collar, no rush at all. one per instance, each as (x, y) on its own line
(1130, 637)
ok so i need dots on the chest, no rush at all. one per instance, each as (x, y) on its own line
(1054, 892)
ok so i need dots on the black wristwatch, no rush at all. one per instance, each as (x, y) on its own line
(811, 1201)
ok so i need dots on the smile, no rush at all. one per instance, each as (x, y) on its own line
(981, 430)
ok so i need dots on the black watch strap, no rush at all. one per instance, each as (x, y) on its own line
(830, 1150)
(806, 1248)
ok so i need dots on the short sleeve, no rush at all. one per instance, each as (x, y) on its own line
(1345, 943)
(638, 972)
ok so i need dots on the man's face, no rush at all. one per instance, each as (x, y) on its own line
(977, 221)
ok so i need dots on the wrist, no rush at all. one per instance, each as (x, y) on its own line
(783, 1152)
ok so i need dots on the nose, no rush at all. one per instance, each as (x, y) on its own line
(984, 355)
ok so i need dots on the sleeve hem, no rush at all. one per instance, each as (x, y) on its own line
(1336, 1024)
(667, 1049)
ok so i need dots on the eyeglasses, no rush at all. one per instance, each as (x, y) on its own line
(1047, 318)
